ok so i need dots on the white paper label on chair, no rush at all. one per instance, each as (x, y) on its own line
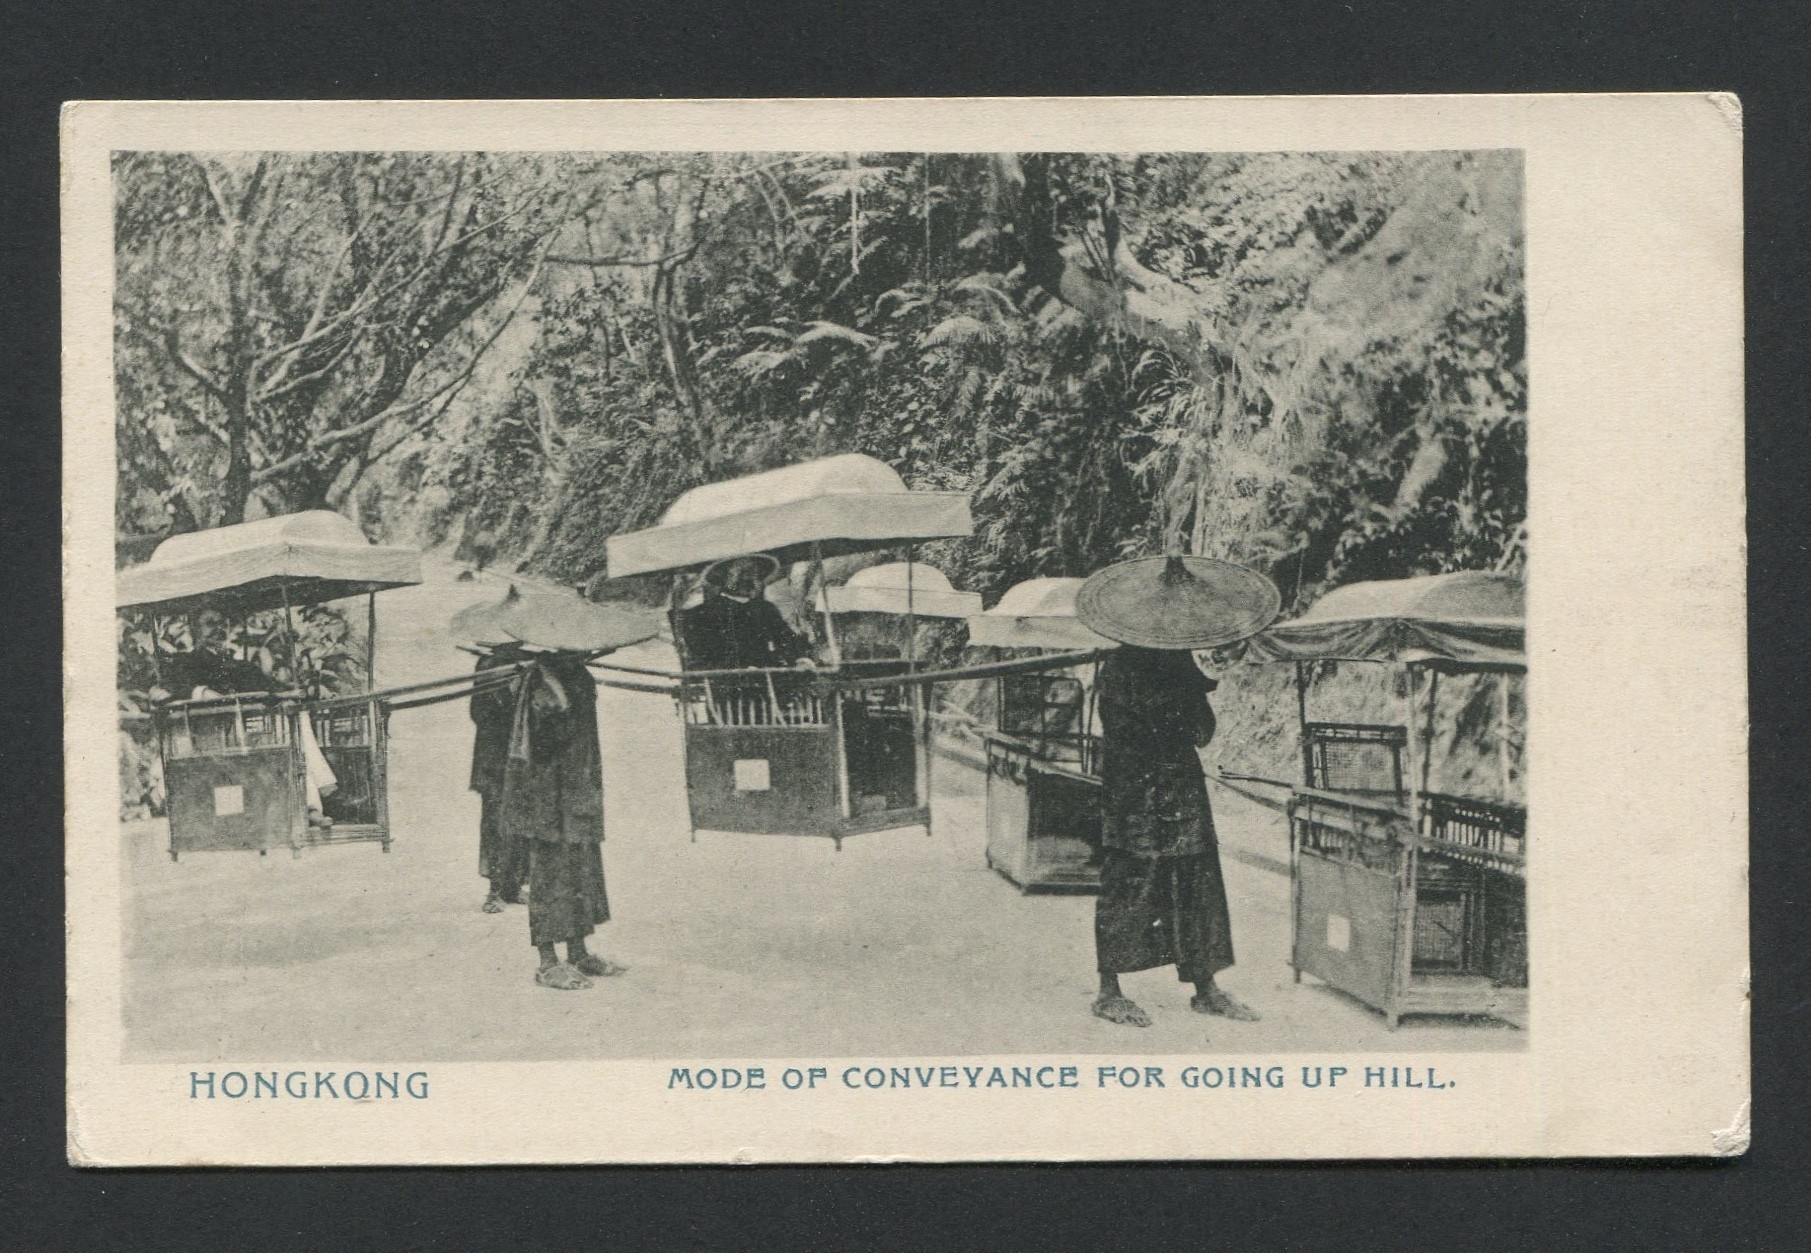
(752, 774)
(1339, 933)
(229, 801)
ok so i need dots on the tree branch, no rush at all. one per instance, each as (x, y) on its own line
(446, 215)
(311, 330)
(227, 217)
(170, 340)
(448, 390)
(334, 359)
(636, 263)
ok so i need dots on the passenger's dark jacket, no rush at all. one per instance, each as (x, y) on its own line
(218, 672)
(725, 634)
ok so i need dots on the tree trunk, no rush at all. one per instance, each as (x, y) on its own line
(236, 487)
(238, 344)
(676, 351)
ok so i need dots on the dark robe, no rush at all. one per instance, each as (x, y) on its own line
(1162, 900)
(553, 799)
(218, 672)
(725, 634)
(501, 858)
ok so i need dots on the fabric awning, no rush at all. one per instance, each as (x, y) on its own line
(885, 588)
(298, 559)
(843, 504)
(1038, 613)
(1472, 619)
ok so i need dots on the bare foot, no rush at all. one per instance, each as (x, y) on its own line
(493, 904)
(561, 977)
(1121, 1010)
(599, 967)
(1223, 1004)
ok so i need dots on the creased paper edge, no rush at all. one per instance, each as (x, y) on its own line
(1735, 1139)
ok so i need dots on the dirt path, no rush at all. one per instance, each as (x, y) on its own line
(739, 946)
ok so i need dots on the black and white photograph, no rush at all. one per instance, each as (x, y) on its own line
(903, 618)
(884, 602)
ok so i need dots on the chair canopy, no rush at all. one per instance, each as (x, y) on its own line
(834, 505)
(1469, 620)
(295, 559)
(1038, 613)
(901, 587)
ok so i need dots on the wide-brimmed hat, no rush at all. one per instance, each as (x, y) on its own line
(714, 573)
(1177, 602)
(478, 623)
(567, 622)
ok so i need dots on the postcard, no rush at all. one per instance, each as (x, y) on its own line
(905, 630)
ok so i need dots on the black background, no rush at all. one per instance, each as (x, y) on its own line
(251, 50)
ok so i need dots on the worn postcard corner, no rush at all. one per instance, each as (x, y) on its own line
(938, 630)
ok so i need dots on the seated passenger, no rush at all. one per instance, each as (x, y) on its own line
(210, 669)
(735, 627)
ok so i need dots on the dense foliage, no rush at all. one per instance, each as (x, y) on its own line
(1313, 363)
(284, 321)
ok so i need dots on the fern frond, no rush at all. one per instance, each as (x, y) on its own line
(831, 332)
(960, 330)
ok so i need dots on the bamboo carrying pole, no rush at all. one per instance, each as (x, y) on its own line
(439, 697)
(295, 668)
(156, 648)
(743, 672)
(676, 593)
(1503, 725)
(817, 581)
(1053, 661)
(921, 739)
(911, 648)
(1301, 709)
(289, 638)
(370, 641)
(1407, 873)
(1412, 723)
(1427, 750)
(845, 800)
(509, 671)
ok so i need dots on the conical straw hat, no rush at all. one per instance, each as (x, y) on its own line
(567, 622)
(478, 623)
(1177, 602)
